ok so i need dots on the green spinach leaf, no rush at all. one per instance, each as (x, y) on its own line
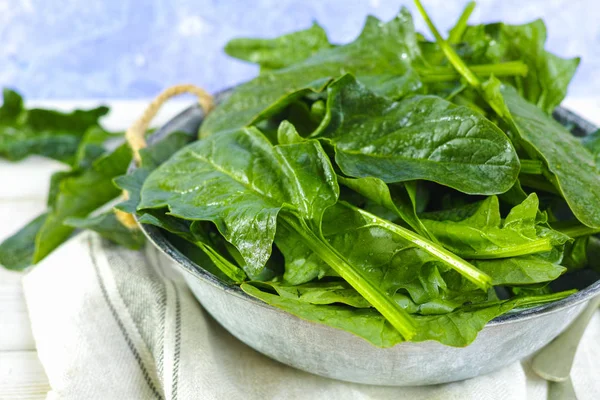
(458, 328)
(243, 184)
(548, 75)
(380, 57)
(16, 252)
(47, 133)
(422, 137)
(280, 52)
(476, 231)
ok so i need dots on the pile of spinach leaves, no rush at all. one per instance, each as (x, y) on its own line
(395, 188)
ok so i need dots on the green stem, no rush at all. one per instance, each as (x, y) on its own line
(574, 229)
(476, 276)
(533, 247)
(385, 304)
(532, 167)
(529, 301)
(228, 268)
(523, 302)
(444, 74)
(461, 25)
(454, 59)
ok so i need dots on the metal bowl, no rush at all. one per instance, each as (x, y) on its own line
(336, 354)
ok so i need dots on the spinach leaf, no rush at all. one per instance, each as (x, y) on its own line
(520, 270)
(380, 57)
(576, 254)
(477, 231)
(244, 184)
(319, 293)
(74, 193)
(241, 168)
(458, 328)
(43, 132)
(339, 292)
(302, 265)
(387, 254)
(151, 157)
(199, 237)
(109, 227)
(16, 252)
(422, 137)
(402, 203)
(280, 52)
(78, 195)
(571, 168)
(91, 147)
(548, 75)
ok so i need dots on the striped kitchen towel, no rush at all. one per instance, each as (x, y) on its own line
(111, 323)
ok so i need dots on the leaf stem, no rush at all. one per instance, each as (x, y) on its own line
(461, 25)
(385, 304)
(528, 301)
(454, 59)
(532, 167)
(228, 268)
(533, 247)
(479, 278)
(444, 74)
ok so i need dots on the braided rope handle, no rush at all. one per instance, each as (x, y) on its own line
(135, 135)
(136, 132)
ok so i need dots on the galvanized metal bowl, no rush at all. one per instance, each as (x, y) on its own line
(340, 355)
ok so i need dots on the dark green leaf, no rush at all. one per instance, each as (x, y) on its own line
(241, 182)
(380, 57)
(91, 147)
(48, 133)
(423, 137)
(16, 252)
(572, 168)
(548, 75)
(151, 157)
(238, 180)
(319, 293)
(78, 195)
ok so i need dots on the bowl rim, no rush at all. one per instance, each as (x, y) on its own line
(194, 113)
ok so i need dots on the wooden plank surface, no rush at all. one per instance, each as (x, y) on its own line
(22, 376)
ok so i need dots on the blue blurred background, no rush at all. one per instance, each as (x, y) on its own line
(76, 49)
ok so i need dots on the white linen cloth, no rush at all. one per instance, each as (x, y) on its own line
(111, 323)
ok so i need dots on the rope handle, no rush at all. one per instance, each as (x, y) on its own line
(135, 135)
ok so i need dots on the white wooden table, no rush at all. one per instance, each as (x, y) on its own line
(23, 188)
